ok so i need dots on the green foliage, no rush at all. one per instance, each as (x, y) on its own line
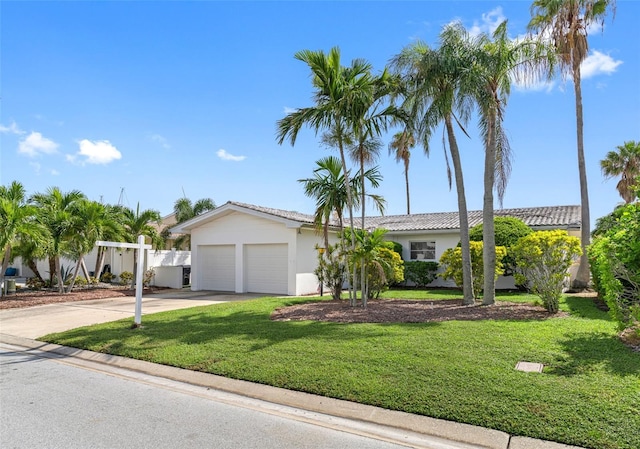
(107, 277)
(81, 282)
(421, 273)
(451, 260)
(615, 264)
(385, 270)
(330, 270)
(397, 247)
(545, 257)
(126, 277)
(508, 231)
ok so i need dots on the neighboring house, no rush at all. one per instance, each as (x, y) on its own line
(246, 248)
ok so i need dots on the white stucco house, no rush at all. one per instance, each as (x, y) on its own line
(246, 248)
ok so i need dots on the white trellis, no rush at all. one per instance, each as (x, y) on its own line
(140, 246)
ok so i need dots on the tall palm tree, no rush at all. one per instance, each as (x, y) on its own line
(184, 209)
(400, 148)
(624, 163)
(337, 91)
(137, 223)
(566, 23)
(16, 222)
(56, 213)
(498, 59)
(435, 94)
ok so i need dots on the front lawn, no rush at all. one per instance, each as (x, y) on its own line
(588, 395)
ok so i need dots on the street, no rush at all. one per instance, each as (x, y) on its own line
(53, 402)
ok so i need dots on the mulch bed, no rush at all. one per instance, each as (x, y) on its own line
(405, 311)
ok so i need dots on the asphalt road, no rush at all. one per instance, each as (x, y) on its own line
(48, 403)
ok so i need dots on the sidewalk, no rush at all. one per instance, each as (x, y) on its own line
(19, 327)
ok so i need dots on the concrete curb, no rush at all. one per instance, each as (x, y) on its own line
(466, 435)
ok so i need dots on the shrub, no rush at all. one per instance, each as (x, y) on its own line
(126, 277)
(545, 257)
(80, 282)
(508, 230)
(451, 260)
(107, 277)
(148, 277)
(615, 259)
(93, 280)
(35, 283)
(397, 247)
(386, 269)
(421, 273)
(330, 270)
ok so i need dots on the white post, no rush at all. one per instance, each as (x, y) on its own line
(139, 281)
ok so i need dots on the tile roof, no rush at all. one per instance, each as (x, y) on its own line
(547, 216)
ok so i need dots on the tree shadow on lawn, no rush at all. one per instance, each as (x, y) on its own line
(590, 351)
(189, 328)
(585, 307)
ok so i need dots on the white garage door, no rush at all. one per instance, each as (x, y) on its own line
(266, 268)
(217, 270)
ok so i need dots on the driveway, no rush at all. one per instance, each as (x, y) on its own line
(34, 322)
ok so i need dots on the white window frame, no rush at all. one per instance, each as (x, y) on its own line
(428, 250)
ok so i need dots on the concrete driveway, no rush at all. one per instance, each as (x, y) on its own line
(34, 322)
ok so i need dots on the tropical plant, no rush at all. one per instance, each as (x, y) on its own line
(184, 210)
(451, 262)
(136, 223)
(567, 23)
(400, 148)
(545, 258)
(331, 269)
(434, 94)
(56, 214)
(499, 59)
(17, 222)
(127, 278)
(337, 89)
(624, 163)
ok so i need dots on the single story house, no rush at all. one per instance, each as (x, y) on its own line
(246, 248)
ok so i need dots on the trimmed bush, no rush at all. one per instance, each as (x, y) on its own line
(421, 273)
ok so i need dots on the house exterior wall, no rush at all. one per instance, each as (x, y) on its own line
(307, 260)
(241, 229)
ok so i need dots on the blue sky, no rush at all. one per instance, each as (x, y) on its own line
(144, 102)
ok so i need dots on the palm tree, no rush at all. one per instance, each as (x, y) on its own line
(93, 221)
(400, 148)
(624, 163)
(114, 233)
(137, 223)
(435, 94)
(566, 23)
(16, 222)
(498, 59)
(185, 210)
(55, 212)
(338, 90)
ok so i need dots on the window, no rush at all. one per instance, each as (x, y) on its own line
(423, 250)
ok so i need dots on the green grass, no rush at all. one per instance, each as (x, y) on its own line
(588, 395)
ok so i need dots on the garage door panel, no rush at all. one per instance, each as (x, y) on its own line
(218, 267)
(266, 268)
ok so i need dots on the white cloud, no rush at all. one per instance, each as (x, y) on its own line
(288, 110)
(164, 143)
(598, 63)
(34, 144)
(488, 23)
(98, 152)
(54, 172)
(11, 129)
(222, 154)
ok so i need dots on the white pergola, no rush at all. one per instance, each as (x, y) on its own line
(140, 246)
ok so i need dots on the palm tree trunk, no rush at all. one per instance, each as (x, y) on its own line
(75, 274)
(488, 232)
(467, 278)
(59, 274)
(52, 270)
(406, 181)
(5, 264)
(363, 267)
(582, 277)
(353, 297)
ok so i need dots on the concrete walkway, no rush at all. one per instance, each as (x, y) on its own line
(19, 328)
